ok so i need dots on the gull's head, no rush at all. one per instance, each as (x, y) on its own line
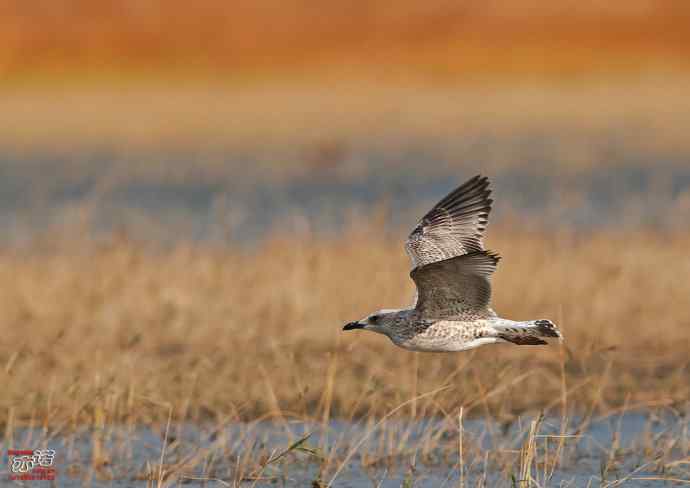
(381, 321)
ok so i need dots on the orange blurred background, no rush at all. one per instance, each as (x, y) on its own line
(436, 40)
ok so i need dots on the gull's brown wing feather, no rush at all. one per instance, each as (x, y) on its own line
(454, 226)
(458, 287)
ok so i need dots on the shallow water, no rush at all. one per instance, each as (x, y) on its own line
(247, 192)
(627, 447)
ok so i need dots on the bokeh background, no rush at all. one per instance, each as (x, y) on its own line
(205, 194)
(175, 122)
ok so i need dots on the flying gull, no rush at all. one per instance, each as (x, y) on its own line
(452, 272)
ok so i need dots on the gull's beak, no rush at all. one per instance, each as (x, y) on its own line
(353, 325)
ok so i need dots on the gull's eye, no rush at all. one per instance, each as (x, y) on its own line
(373, 319)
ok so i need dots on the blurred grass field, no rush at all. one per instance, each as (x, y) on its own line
(117, 74)
(202, 117)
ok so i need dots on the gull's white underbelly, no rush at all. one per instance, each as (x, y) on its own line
(449, 336)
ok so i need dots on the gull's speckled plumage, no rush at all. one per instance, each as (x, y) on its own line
(452, 273)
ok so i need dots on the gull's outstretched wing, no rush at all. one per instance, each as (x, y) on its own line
(456, 287)
(454, 226)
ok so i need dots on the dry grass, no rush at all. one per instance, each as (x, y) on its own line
(226, 333)
(104, 340)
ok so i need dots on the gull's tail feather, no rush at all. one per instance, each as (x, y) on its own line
(530, 333)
